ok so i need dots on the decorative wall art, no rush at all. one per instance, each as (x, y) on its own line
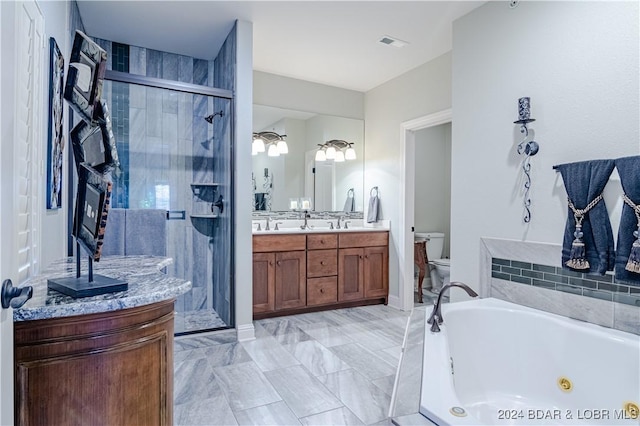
(86, 70)
(55, 144)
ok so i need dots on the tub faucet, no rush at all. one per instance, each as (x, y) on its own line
(435, 319)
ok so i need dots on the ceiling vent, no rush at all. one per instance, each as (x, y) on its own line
(392, 41)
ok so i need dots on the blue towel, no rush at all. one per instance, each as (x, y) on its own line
(584, 181)
(113, 242)
(146, 232)
(629, 171)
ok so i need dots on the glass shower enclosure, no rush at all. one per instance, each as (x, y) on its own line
(175, 145)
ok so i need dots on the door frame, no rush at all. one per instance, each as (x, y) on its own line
(407, 190)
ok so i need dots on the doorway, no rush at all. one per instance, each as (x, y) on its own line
(407, 192)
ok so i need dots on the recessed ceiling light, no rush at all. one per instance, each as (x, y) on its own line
(392, 41)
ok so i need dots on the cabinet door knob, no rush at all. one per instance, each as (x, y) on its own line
(366, 256)
(322, 290)
(278, 263)
(360, 256)
(271, 263)
(321, 241)
(322, 262)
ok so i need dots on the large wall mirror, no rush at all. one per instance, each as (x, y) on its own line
(330, 185)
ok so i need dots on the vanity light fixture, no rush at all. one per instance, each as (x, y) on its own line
(274, 141)
(337, 150)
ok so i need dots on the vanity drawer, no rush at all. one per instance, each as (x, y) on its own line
(322, 241)
(321, 291)
(322, 263)
(270, 243)
(364, 239)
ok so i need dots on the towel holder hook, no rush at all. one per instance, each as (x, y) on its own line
(375, 188)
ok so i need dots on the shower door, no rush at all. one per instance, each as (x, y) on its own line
(174, 142)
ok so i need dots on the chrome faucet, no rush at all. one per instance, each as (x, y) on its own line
(330, 225)
(338, 222)
(435, 319)
(266, 228)
(306, 225)
(276, 228)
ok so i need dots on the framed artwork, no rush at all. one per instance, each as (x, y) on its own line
(85, 75)
(55, 144)
(92, 207)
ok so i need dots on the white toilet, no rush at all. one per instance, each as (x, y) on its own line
(439, 268)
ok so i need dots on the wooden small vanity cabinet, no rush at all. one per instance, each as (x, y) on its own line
(294, 273)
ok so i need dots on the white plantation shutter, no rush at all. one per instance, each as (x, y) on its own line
(28, 137)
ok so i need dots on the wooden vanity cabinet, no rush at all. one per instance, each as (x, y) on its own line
(295, 273)
(322, 269)
(279, 272)
(363, 266)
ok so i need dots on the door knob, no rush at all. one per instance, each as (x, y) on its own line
(219, 204)
(14, 296)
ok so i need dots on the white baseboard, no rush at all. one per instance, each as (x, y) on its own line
(394, 302)
(245, 332)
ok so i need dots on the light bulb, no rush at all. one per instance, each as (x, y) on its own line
(258, 144)
(282, 147)
(320, 155)
(273, 151)
(350, 154)
(331, 153)
(339, 156)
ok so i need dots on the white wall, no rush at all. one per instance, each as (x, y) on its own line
(300, 95)
(53, 229)
(242, 177)
(578, 61)
(432, 193)
(422, 91)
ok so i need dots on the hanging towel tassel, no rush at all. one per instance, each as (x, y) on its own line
(578, 255)
(633, 264)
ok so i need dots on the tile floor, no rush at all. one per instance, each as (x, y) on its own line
(326, 368)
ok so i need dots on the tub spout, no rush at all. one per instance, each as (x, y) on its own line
(435, 319)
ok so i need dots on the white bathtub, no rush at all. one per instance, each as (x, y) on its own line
(500, 363)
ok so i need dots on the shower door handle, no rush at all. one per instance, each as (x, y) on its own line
(219, 204)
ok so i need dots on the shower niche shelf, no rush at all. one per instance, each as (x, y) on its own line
(204, 223)
(205, 191)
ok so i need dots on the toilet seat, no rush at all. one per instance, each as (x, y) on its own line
(441, 262)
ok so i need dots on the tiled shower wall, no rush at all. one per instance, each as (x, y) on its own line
(530, 274)
(163, 139)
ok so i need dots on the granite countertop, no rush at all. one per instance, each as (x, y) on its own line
(147, 285)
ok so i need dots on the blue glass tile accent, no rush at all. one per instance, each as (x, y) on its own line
(556, 278)
(512, 271)
(532, 274)
(544, 284)
(607, 278)
(570, 273)
(521, 265)
(613, 287)
(120, 57)
(544, 268)
(633, 290)
(495, 268)
(582, 283)
(498, 261)
(500, 276)
(521, 280)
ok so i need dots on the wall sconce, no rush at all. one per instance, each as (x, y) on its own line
(271, 142)
(529, 149)
(336, 150)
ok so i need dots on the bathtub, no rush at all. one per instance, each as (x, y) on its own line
(496, 362)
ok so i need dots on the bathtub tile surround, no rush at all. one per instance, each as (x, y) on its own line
(319, 381)
(530, 274)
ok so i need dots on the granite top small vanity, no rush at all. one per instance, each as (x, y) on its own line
(121, 341)
(147, 285)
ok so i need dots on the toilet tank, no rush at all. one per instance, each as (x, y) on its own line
(435, 243)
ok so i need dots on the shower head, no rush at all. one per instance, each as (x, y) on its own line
(212, 116)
